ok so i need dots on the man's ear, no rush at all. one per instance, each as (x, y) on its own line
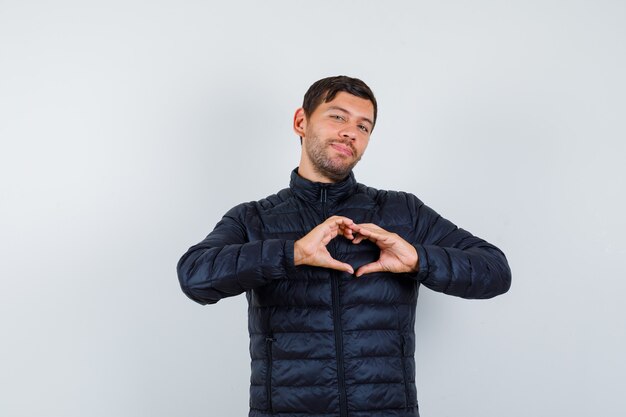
(299, 122)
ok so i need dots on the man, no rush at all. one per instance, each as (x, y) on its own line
(331, 270)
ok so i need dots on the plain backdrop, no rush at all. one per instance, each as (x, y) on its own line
(128, 128)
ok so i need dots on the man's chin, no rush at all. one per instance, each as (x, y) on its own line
(337, 173)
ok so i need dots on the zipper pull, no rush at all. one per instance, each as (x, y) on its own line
(270, 339)
(323, 195)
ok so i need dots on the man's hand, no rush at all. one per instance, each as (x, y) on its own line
(311, 249)
(396, 254)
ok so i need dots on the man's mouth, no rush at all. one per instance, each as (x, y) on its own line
(342, 149)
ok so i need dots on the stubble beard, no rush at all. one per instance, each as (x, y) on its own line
(336, 169)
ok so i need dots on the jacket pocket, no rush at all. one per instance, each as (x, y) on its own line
(269, 340)
(404, 373)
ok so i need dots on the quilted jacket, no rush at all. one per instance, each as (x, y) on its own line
(324, 343)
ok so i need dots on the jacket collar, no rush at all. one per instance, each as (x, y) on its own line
(321, 192)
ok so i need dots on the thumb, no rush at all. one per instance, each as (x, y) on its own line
(340, 266)
(369, 268)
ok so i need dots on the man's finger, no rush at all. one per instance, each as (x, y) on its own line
(333, 231)
(346, 232)
(369, 268)
(338, 225)
(368, 226)
(339, 220)
(340, 266)
(363, 234)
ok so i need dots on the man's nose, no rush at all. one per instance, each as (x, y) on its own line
(348, 132)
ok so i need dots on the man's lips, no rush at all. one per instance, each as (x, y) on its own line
(341, 148)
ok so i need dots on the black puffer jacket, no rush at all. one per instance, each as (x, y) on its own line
(324, 343)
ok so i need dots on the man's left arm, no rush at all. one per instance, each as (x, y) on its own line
(441, 256)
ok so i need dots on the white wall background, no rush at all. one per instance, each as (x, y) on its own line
(129, 127)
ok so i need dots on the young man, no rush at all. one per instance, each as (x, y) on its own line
(331, 270)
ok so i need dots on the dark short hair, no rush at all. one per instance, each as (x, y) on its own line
(325, 90)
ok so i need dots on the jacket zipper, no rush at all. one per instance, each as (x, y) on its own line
(402, 362)
(343, 407)
(268, 374)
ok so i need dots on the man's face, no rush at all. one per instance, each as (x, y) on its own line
(334, 136)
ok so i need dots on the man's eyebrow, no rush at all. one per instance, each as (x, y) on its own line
(365, 119)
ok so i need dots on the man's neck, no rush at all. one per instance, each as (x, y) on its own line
(312, 175)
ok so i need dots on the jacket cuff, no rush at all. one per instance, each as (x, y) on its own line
(422, 263)
(290, 268)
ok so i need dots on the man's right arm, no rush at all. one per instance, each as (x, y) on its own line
(226, 263)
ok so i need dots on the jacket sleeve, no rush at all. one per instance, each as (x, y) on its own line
(226, 263)
(453, 261)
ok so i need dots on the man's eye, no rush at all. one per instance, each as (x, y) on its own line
(337, 117)
(364, 128)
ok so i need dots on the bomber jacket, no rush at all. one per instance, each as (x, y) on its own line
(324, 343)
